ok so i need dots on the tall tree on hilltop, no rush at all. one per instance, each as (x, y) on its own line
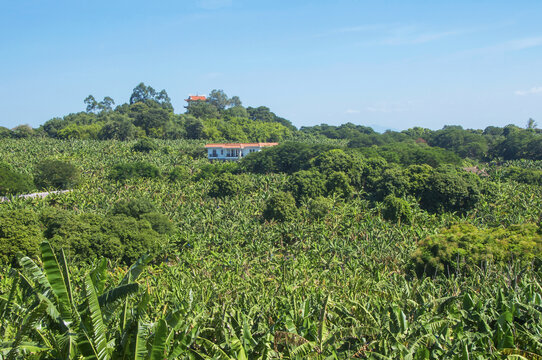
(147, 95)
(219, 99)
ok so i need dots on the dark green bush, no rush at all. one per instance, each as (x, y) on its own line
(417, 154)
(527, 176)
(372, 173)
(397, 210)
(56, 174)
(20, 232)
(333, 160)
(319, 207)
(418, 177)
(280, 207)
(224, 185)
(134, 207)
(352, 164)
(12, 182)
(195, 152)
(286, 158)
(159, 222)
(82, 237)
(118, 237)
(209, 171)
(140, 169)
(5, 133)
(179, 174)
(307, 184)
(136, 236)
(391, 181)
(464, 247)
(450, 190)
(145, 145)
(338, 184)
(57, 222)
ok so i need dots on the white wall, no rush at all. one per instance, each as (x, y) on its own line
(221, 153)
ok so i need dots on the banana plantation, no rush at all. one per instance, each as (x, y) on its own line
(160, 254)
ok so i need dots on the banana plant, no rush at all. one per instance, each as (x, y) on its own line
(60, 322)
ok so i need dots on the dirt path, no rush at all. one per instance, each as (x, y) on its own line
(34, 195)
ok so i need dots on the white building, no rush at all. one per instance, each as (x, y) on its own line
(233, 151)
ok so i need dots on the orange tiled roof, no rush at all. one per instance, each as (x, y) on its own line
(239, 145)
(196, 98)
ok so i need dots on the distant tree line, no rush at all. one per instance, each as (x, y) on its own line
(508, 143)
(149, 113)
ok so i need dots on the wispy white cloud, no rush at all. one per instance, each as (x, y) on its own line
(510, 45)
(361, 28)
(395, 34)
(520, 44)
(411, 38)
(352, 111)
(533, 90)
(213, 4)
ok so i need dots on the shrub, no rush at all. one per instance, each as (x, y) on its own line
(339, 184)
(133, 207)
(449, 190)
(418, 177)
(337, 160)
(136, 236)
(12, 182)
(82, 237)
(19, 233)
(131, 229)
(288, 158)
(281, 207)
(372, 173)
(224, 185)
(5, 133)
(463, 247)
(307, 184)
(159, 222)
(179, 174)
(397, 210)
(417, 154)
(527, 176)
(209, 171)
(140, 169)
(391, 181)
(319, 207)
(195, 152)
(121, 237)
(145, 145)
(56, 174)
(121, 129)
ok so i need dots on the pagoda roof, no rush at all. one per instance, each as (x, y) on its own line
(196, 98)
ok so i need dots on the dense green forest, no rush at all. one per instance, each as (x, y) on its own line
(338, 243)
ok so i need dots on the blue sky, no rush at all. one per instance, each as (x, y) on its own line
(387, 64)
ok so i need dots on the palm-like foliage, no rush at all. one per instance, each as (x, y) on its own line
(77, 325)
